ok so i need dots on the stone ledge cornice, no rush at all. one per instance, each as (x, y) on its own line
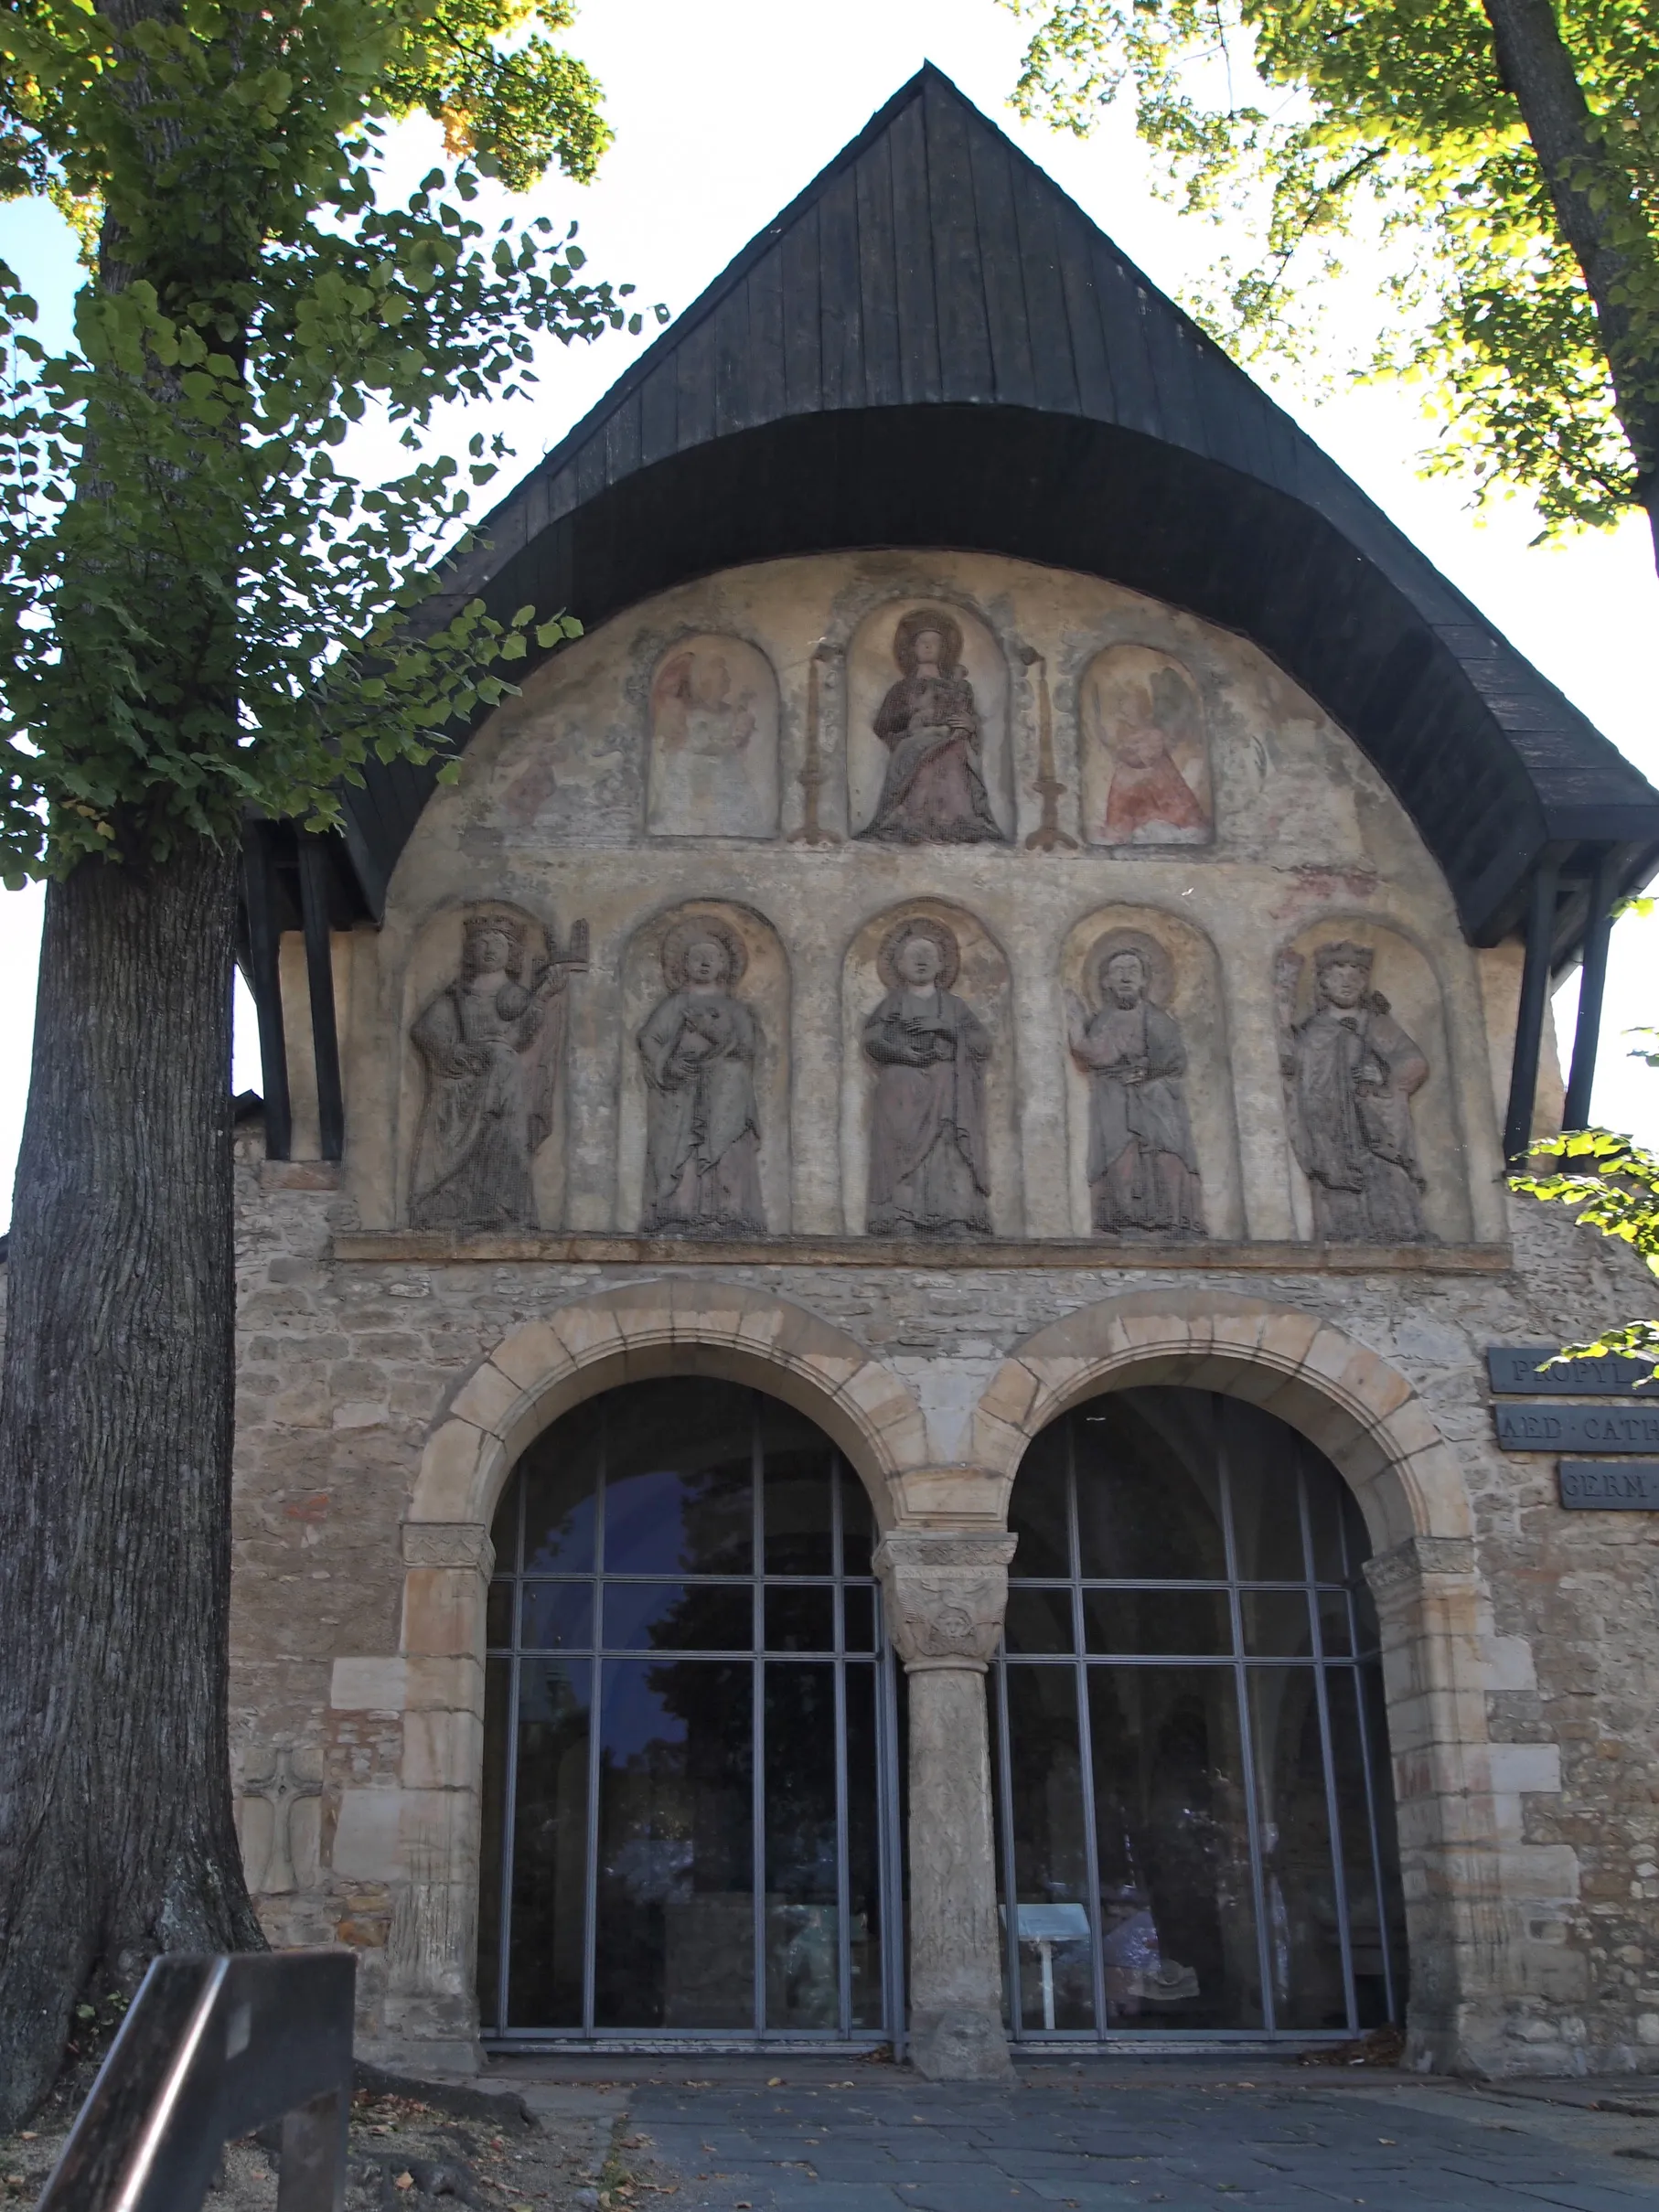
(985, 1254)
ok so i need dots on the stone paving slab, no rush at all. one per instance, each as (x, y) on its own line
(1106, 2139)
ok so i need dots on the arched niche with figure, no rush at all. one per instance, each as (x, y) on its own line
(1153, 1149)
(929, 1099)
(928, 757)
(1370, 1099)
(1145, 751)
(486, 995)
(703, 1135)
(713, 740)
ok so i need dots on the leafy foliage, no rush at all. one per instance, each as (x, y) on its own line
(1381, 135)
(203, 605)
(1612, 1184)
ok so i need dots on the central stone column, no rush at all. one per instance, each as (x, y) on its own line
(946, 1598)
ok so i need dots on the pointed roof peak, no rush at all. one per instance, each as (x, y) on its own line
(932, 345)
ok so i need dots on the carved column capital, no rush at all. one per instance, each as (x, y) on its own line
(946, 1595)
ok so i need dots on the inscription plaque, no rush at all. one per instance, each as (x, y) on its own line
(1603, 1486)
(1516, 1370)
(1632, 1429)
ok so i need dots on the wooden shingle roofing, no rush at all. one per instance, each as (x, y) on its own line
(934, 346)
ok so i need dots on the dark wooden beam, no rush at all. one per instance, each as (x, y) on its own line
(1529, 1017)
(1592, 986)
(319, 977)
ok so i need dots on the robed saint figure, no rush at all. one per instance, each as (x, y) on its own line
(699, 1047)
(1143, 1168)
(1350, 1071)
(930, 1171)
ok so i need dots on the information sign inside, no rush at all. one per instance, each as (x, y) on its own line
(1633, 1428)
(1517, 1370)
(1603, 1486)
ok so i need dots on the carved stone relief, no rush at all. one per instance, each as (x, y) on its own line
(1350, 1071)
(1153, 1141)
(929, 1160)
(928, 728)
(1370, 1101)
(1146, 768)
(699, 1046)
(271, 1857)
(945, 1596)
(1143, 1166)
(713, 749)
(929, 1078)
(490, 1045)
(704, 1122)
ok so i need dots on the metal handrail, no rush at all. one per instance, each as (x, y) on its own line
(212, 2050)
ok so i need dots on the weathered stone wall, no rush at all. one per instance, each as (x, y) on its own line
(348, 1369)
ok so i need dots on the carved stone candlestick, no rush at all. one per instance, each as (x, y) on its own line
(945, 1597)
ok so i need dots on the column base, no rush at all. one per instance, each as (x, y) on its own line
(959, 2046)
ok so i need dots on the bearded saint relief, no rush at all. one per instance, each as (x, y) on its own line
(929, 1169)
(1350, 1071)
(934, 789)
(489, 1043)
(699, 1046)
(1142, 1169)
(1144, 720)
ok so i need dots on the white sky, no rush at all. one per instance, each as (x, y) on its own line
(722, 112)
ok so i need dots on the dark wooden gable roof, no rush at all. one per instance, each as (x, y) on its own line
(934, 346)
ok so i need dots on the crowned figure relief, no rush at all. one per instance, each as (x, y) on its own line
(929, 1168)
(1350, 1071)
(489, 1044)
(934, 790)
(699, 1046)
(1143, 1168)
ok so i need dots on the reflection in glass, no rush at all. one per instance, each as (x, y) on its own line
(803, 1928)
(800, 1619)
(1055, 1973)
(679, 1616)
(1194, 1829)
(558, 1475)
(1178, 1915)
(550, 1841)
(715, 1796)
(676, 1846)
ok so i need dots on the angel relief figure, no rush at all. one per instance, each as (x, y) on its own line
(489, 1043)
(1145, 711)
(934, 791)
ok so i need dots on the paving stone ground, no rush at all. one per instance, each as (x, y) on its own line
(808, 2138)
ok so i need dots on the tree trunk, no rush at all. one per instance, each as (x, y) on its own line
(1601, 219)
(116, 1839)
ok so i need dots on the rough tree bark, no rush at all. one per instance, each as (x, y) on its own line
(116, 1839)
(1594, 203)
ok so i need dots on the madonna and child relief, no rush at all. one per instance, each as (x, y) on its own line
(713, 754)
(1146, 770)
(926, 737)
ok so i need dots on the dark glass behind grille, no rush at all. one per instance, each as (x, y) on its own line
(1195, 1830)
(689, 1730)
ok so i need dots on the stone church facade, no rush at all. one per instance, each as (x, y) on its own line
(864, 1291)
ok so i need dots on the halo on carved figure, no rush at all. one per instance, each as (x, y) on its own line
(946, 628)
(1155, 962)
(918, 926)
(697, 929)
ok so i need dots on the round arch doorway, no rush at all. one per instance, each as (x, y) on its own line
(689, 1779)
(1193, 1787)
